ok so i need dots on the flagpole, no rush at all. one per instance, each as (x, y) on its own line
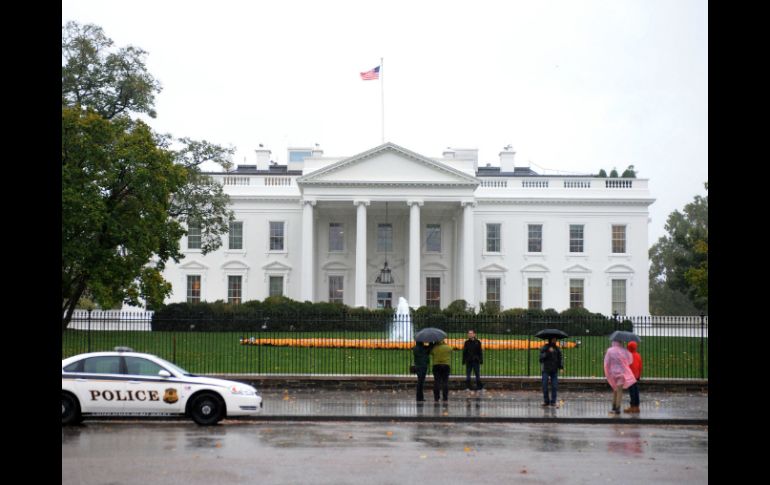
(382, 93)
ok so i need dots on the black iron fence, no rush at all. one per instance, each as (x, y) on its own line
(671, 347)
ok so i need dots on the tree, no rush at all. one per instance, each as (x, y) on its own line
(128, 195)
(680, 259)
(602, 174)
(629, 172)
(614, 173)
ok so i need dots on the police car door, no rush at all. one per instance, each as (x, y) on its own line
(148, 391)
(100, 387)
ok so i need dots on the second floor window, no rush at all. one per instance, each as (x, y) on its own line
(576, 238)
(336, 237)
(235, 236)
(194, 236)
(276, 236)
(493, 238)
(384, 238)
(433, 238)
(619, 239)
(535, 238)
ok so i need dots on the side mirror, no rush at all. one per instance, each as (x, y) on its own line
(164, 373)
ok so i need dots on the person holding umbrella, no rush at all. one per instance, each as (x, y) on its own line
(421, 358)
(617, 368)
(551, 362)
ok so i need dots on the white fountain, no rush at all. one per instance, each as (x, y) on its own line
(401, 330)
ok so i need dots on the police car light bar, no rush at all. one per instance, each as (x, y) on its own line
(123, 349)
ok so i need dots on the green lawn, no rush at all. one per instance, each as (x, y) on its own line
(221, 352)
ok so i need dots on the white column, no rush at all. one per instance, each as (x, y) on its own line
(414, 252)
(360, 299)
(468, 290)
(308, 265)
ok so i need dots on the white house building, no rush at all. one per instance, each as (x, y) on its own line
(368, 229)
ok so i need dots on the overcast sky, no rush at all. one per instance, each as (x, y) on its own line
(574, 86)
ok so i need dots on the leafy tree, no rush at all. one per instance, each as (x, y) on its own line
(629, 172)
(602, 174)
(614, 173)
(128, 195)
(680, 259)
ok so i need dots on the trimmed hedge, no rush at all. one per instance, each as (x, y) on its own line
(283, 314)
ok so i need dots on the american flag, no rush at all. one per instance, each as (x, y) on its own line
(373, 74)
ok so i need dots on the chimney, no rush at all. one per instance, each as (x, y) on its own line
(317, 152)
(448, 153)
(506, 159)
(263, 158)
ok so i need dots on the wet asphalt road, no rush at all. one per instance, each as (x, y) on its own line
(180, 452)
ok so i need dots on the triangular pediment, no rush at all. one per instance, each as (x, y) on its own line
(193, 265)
(493, 268)
(388, 164)
(276, 266)
(577, 268)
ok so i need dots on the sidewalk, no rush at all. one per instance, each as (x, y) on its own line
(679, 408)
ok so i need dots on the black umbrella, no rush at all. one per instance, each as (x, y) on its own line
(623, 336)
(430, 334)
(547, 333)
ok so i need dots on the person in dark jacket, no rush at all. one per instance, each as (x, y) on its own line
(472, 359)
(421, 358)
(550, 364)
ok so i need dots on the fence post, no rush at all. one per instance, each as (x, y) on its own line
(702, 372)
(88, 349)
(173, 358)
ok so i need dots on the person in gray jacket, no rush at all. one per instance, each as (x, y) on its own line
(550, 364)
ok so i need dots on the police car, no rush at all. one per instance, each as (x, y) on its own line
(124, 382)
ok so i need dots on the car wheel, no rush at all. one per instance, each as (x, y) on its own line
(70, 410)
(206, 410)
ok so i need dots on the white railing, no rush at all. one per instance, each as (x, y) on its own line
(618, 184)
(577, 184)
(229, 180)
(494, 183)
(534, 184)
(277, 181)
(111, 320)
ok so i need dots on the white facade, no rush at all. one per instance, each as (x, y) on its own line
(457, 231)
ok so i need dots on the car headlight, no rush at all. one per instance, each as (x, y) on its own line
(243, 391)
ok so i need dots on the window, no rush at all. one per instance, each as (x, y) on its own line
(576, 299)
(384, 299)
(493, 238)
(299, 155)
(336, 292)
(535, 238)
(234, 289)
(193, 288)
(102, 365)
(235, 236)
(137, 366)
(385, 238)
(493, 292)
(619, 296)
(576, 238)
(276, 236)
(194, 236)
(433, 292)
(433, 238)
(619, 239)
(535, 293)
(336, 237)
(276, 286)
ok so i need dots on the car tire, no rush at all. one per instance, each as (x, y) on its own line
(70, 410)
(207, 409)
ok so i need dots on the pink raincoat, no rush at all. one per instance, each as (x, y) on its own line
(617, 366)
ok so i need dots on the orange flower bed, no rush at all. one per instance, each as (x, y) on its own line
(456, 344)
